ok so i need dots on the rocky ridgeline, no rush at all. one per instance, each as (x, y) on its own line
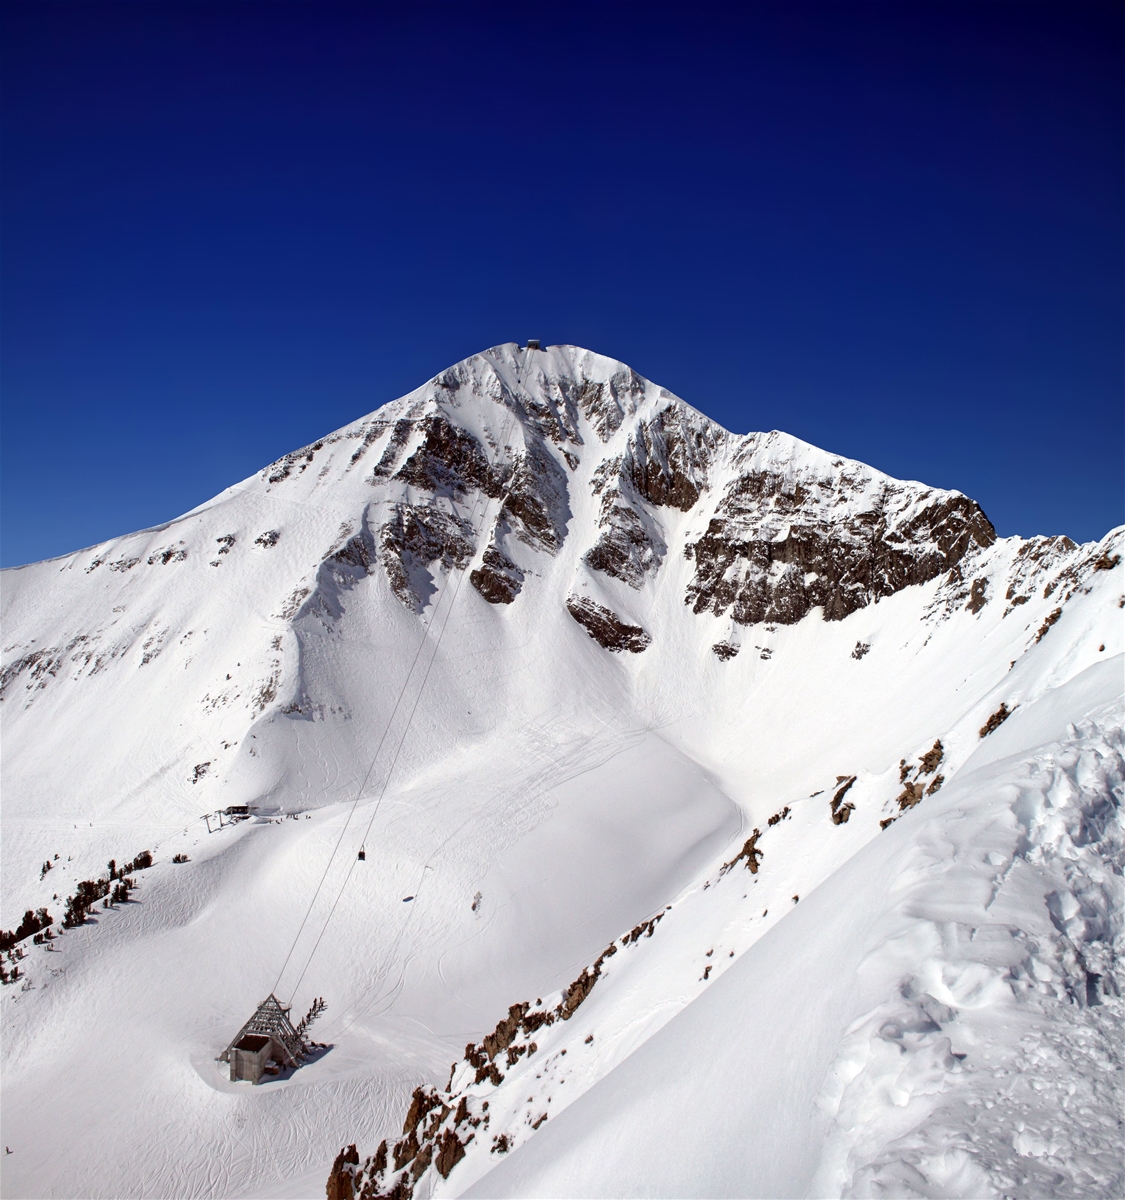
(786, 528)
(484, 468)
(440, 1124)
(789, 535)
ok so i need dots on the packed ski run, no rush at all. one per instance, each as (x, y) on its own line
(718, 798)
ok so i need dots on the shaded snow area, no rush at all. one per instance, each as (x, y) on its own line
(735, 820)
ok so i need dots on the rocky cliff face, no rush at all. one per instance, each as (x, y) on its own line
(792, 532)
(517, 465)
(490, 461)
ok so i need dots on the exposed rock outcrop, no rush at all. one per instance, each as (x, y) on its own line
(791, 535)
(498, 579)
(446, 468)
(630, 544)
(606, 627)
(664, 465)
(440, 1125)
(668, 457)
(416, 537)
(449, 462)
(996, 720)
(842, 810)
(749, 854)
(607, 403)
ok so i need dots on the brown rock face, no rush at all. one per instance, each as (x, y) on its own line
(630, 545)
(664, 465)
(668, 457)
(536, 500)
(498, 579)
(534, 510)
(776, 548)
(450, 1151)
(416, 537)
(606, 627)
(400, 435)
(841, 811)
(749, 854)
(607, 404)
(779, 528)
(932, 759)
(505, 1032)
(421, 1103)
(449, 465)
(978, 597)
(341, 1180)
(450, 461)
(996, 720)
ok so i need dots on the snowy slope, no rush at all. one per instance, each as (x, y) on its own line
(549, 644)
(917, 1026)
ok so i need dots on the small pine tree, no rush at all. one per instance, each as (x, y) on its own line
(76, 909)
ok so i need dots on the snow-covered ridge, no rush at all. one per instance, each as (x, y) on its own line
(631, 642)
(779, 527)
(942, 1017)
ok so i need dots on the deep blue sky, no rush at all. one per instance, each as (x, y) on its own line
(894, 230)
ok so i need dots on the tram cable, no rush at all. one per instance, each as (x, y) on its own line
(521, 376)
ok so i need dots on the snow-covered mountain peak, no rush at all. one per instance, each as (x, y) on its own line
(599, 689)
(545, 432)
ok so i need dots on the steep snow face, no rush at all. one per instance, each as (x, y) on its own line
(567, 486)
(553, 648)
(942, 1017)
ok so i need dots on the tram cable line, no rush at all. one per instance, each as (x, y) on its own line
(544, 779)
(427, 626)
(401, 742)
(546, 771)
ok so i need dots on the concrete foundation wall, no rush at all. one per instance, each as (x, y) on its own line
(249, 1064)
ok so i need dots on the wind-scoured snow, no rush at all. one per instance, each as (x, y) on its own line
(567, 646)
